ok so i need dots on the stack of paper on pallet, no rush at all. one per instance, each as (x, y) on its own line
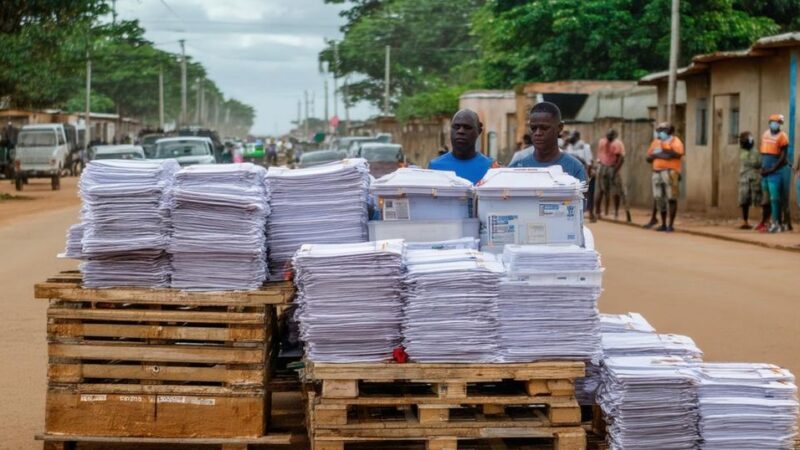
(750, 406)
(219, 216)
(650, 344)
(126, 223)
(649, 402)
(586, 387)
(450, 312)
(325, 204)
(350, 300)
(548, 303)
(74, 248)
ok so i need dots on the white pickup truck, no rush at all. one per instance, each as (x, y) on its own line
(41, 152)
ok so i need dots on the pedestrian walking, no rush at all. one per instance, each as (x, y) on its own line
(544, 121)
(665, 154)
(750, 180)
(464, 159)
(582, 151)
(774, 150)
(611, 157)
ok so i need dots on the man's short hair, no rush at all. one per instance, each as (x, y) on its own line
(546, 107)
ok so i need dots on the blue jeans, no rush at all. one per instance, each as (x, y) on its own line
(778, 183)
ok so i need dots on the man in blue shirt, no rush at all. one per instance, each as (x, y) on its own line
(464, 159)
(545, 124)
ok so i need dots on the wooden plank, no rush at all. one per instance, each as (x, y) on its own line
(452, 390)
(470, 399)
(277, 293)
(154, 415)
(239, 334)
(486, 430)
(567, 415)
(570, 440)
(339, 389)
(143, 315)
(269, 439)
(157, 389)
(433, 414)
(330, 415)
(158, 353)
(75, 373)
(424, 372)
(442, 444)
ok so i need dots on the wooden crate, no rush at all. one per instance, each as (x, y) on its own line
(159, 363)
(442, 403)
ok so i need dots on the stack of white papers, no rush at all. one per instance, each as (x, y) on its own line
(649, 402)
(219, 217)
(548, 303)
(350, 300)
(650, 344)
(326, 204)
(586, 387)
(750, 406)
(527, 259)
(450, 312)
(466, 243)
(624, 323)
(126, 222)
(74, 248)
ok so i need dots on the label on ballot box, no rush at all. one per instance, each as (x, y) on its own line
(502, 229)
(396, 209)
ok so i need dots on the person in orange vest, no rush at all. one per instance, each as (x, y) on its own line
(774, 150)
(665, 154)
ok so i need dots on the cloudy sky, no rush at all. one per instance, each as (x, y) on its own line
(263, 52)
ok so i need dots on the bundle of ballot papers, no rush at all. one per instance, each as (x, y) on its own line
(126, 223)
(74, 248)
(649, 344)
(586, 387)
(466, 243)
(547, 308)
(649, 402)
(746, 406)
(450, 312)
(219, 217)
(350, 300)
(420, 194)
(325, 204)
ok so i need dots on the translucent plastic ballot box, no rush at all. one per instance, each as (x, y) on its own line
(529, 206)
(411, 194)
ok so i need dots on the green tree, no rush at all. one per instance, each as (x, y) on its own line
(545, 40)
(430, 45)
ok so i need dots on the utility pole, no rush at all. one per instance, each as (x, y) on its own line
(113, 12)
(197, 101)
(161, 97)
(386, 82)
(299, 114)
(313, 105)
(305, 123)
(335, 74)
(203, 108)
(674, 49)
(216, 112)
(326, 104)
(346, 108)
(88, 118)
(182, 120)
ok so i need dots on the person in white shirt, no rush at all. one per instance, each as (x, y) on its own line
(583, 152)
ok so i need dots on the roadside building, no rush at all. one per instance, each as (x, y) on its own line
(726, 93)
(497, 110)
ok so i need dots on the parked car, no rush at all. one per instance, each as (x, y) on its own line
(41, 152)
(383, 158)
(117, 152)
(149, 144)
(315, 158)
(186, 150)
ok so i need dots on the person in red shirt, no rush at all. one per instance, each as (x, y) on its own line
(611, 155)
(665, 154)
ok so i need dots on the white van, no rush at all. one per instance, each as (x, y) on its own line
(41, 152)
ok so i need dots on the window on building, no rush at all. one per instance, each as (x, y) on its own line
(733, 135)
(701, 121)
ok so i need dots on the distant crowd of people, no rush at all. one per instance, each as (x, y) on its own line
(765, 174)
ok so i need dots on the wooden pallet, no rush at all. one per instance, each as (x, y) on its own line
(58, 442)
(159, 363)
(442, 403)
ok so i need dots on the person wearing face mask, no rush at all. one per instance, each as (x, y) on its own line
(749, 179)
(774, 149)
(665, 155)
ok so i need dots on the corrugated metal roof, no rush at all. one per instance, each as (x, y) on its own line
(628, 104)
(487, 94)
